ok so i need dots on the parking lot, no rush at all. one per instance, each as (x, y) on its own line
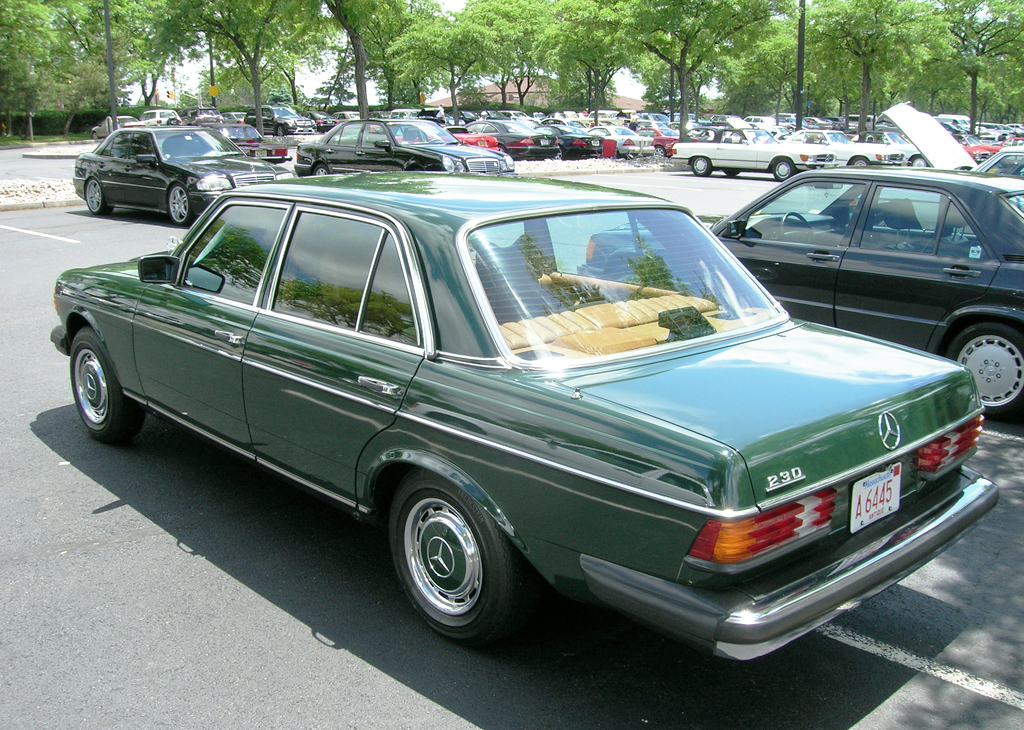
(167, 584)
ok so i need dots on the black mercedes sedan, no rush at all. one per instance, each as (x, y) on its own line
(175, 170)
(928, 259)
(518, 139)
(573, 142)
(395, 145)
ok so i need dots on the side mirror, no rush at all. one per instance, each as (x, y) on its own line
(734, 229)
(158, 269)
(382, 144)
(148, 159)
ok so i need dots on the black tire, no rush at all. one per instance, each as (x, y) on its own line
(503, 149)
(994, 355)
(94, 197)
(731, 173)
(918, 161)
(783, 169)
(477, 587)
(857, 162)
(320, 170)
(109, 415)
(279, 130)
(179, 207)
(701, 166)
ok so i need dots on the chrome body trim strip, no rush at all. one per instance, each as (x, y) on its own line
(202, 431)
(318, 386)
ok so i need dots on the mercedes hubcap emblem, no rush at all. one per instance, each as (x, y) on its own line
(440, 557)
(889, 430)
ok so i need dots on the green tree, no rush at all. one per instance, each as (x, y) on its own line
(982, 32)
(353, 16)
(584, 70)
(25, 37)
(515, 52)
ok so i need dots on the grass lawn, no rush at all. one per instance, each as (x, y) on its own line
(15, 139)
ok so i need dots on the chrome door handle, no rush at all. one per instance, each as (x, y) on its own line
(955, 271)
(819, 256)
(229, 337)
(380, 386)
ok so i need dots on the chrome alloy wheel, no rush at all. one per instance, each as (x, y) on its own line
(93, 196)
(91, 387)
(177, 204)
(443, 557)
(997, 366)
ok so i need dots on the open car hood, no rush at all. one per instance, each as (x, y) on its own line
(936, 144)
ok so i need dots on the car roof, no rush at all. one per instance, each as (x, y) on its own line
(457, 198)
(929, 176)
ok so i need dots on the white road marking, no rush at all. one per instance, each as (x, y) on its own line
(36, 233)
(946, 673)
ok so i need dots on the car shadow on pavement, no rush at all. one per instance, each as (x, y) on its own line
(573, 666)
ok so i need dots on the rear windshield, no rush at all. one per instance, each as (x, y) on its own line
(591, 284)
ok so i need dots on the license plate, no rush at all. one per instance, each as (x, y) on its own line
(261, 153)
(875, 497)
(545, 142)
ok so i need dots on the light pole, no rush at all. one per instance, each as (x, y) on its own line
(800, 67)
(110, 66)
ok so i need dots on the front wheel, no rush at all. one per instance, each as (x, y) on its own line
(783, 169)
(95, 198)
(918, 161)
(994, 355)
(110, 415)
(858, 162)
(279, 131)
(178, 205)
(701, 166)
(460, 571)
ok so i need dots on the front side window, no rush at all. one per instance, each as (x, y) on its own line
(815, 213)
(346, 273)
(373, 133)
(229, 257)
(590, 284)
(142, 144)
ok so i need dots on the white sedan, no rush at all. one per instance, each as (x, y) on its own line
(627, 142)
(747, 150)
(848, 152)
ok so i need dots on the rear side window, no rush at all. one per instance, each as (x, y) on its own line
(229, 257)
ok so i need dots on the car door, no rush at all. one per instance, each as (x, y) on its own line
(112, 170)
(144, 184)
(794, 243)
(918, 259)
(339, 151)
(332, 353)
(376, 150)
(190, 336)
(734, 151)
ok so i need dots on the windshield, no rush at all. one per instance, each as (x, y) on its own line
(284, 112)
(517, 127)
(411, 133)
(240, 132)
(194, 144)
(838, 138)
(760, 136)
(896, 138)
(589, 284)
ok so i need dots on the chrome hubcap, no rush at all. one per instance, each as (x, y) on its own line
(997, 367)
(443, 557)
(91, 387)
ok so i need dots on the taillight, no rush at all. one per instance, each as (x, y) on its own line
(627, 143)
(579, 142)
(733, 542)
(526, 142)
(948, 447)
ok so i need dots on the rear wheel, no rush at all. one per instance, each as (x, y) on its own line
(110, 415)
(701, 166)
(783, 169)
(463, 575)
(95, 198)
(994, 355)
(320, 170)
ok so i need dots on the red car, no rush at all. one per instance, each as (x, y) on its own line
(663, 138)
(976, 148)
(473, 139)
(248, 139)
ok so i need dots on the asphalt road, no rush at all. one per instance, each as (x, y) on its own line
(169, 585)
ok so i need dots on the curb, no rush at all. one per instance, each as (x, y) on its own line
(44, 204)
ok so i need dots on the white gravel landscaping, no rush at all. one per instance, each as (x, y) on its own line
(20, 192)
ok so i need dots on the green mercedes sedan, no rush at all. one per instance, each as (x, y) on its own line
(529, 382)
